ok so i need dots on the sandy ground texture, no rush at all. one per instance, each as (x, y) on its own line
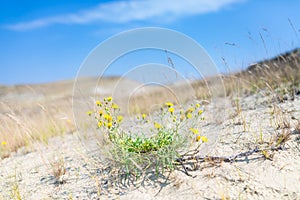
(30, 175)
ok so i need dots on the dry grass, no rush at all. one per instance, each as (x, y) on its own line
(279, 77)
(58, 170)
(23, 122)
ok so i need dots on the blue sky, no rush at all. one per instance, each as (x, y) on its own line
(47, 40)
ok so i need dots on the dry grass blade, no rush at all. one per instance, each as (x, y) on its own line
(283, 137)
(59, 170)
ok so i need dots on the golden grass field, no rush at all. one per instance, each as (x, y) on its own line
(39, 112)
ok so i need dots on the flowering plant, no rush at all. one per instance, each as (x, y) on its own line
(172, 132)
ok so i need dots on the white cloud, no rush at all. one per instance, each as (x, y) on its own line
(127, 11)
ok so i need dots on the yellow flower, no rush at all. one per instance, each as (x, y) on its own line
(204, 139)
(89, 113)
(100, 124)
(198, 138)
(109, 98)
(157, 125)
(3, 143)
(119, 118)
(69, 122)
(100, 113)
(171, 110)
(144, 116)
(114, 106)
(200, 112)
(197, 105)
(189, 115)
(191, 109)
(169, 104)
(109, 125)
(98, 103)
(195, 131)
(108, 117)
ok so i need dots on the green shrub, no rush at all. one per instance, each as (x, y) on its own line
(171, 134)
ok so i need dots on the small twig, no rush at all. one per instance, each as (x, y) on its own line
(192, 152)
(230, 159)
(183, 166)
